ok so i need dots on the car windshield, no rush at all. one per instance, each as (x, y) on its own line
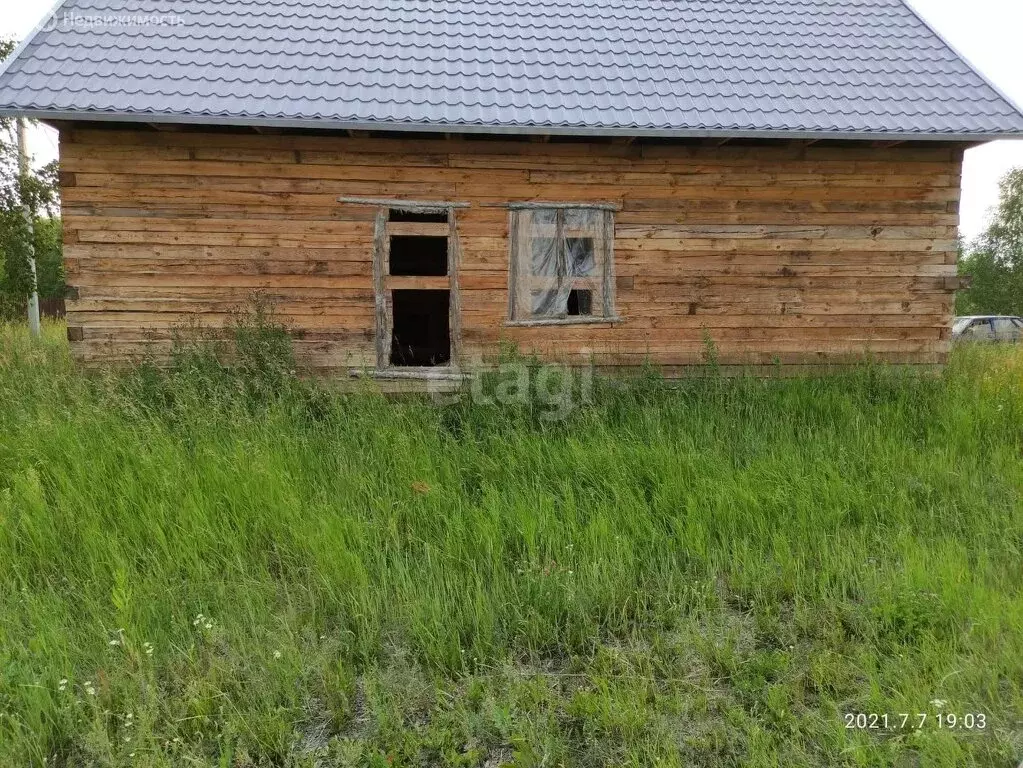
(960, 324)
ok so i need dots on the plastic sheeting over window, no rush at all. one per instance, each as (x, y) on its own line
(562, 263)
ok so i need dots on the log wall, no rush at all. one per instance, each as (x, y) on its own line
(782, 253)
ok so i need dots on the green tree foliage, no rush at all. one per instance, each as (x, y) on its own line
(40, 191)
(995, 260)
(49, 241)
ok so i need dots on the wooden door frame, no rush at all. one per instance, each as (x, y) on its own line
(383, 306)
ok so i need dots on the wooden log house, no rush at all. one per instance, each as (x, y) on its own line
(435, 179)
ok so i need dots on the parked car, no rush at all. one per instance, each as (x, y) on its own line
(987, 328)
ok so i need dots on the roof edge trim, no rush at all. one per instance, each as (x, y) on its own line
(31, 36)
(963, 57)
(553, 130)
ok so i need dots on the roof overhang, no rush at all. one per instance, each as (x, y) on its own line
(474, 128)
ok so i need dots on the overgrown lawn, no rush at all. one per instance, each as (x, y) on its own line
(228, 566)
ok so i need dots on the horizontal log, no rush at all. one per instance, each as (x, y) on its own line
(498, 155)
(735, 177)
(471, 146)
(794, 245)
(442, 283)
(780, 231)
(418, 228)
(218, 267)
(134, 253)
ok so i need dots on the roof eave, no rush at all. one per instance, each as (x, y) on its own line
(551, 130)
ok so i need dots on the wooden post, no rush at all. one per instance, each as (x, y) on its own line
(33, 299)
(454, 297)
(514, 222)
(607, 229)
(380, 249)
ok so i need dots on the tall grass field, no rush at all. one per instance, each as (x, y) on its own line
(224, 564)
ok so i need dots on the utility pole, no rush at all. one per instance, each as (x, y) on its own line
(33, 299)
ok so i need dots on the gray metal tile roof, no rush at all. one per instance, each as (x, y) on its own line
(845, 68)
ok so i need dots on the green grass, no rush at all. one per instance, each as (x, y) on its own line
(709, 575)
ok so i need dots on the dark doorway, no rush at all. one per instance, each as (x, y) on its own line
(421, 333)
(418, 256)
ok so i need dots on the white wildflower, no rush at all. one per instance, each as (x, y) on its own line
(277, 654)
(89, 689)
(114, 642)
(939, 703)
(62, 685)
(148, 648)
(198, 620)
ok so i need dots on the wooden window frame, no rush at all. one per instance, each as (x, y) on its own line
(606, 279)
(383, 283)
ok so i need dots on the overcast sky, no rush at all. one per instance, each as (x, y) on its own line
(987, 32)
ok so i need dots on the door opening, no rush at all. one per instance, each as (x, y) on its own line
(421, 334)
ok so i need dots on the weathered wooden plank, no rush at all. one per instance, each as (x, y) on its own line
(737, 177)
(792, 245)
(152, 251)
(922, 152)
(455, 287)
(417, 228)
(280, 171)
(359, 231)
(626, 231)
(447, 155)
(226, 267)
(381, 313)
(406, 283)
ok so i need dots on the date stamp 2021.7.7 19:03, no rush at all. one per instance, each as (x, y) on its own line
(900, 722)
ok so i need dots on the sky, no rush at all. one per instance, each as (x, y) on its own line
(985, 31)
